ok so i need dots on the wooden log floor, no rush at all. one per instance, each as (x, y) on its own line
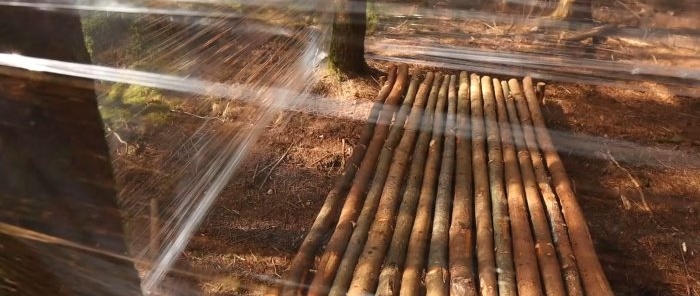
(454, 188)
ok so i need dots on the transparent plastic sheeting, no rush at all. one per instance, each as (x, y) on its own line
(206, 59)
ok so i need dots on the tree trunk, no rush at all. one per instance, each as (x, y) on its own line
(55, 175)
(573, 10)
(347, 50)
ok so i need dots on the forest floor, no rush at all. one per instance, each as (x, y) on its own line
(254, 230)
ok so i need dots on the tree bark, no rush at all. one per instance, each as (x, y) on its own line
(56, 175)
(347, 49)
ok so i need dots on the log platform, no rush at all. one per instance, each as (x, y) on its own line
(455, 188)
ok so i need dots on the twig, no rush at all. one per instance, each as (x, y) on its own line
(594, 32)
(197, 116)
(119, 138)
(629, 9)
(342, 153)
(685, 265)
(255, 172)
(291, 204)
(272, 169)
(232, 211)
(320, 159)
(644, 206)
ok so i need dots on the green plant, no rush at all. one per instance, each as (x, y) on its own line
(136, 106)
(372, 17)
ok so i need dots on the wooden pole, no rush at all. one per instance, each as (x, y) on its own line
(418, 244)
(389, 277)
(461, 230)
(336, 245)
(438, 276)
(556, 219)
(594, 280)
(486, 260)
(526, 271)
(380, 234)
(546, 253)
(331, 207)
(499, 203)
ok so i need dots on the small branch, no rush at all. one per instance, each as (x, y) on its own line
(119, 138)
(342, 153)
(629, 9)
(272, 169)
(685, 265)
(197, 116)
(595, 32)
(634, 181)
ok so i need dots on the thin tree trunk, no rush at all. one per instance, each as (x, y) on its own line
(437, 276)
(331, 207)
(347, 49)
(461, 230)
(338, 242)
(557, 224)
(574, 10)
(499, 203)
(486, 260)
(418, 244)
(56, 177)
(526, 270)
(380, 233)
(594, 280)
(546, 253)
(389, 278)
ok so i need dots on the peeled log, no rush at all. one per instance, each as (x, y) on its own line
(526, 271)
(557, 224)
(437, 276)
(594, 280)
(461, 230)
(330, 210)
(418, 244)
(380, 233)
(338, 242)
(348, 259)
(499, 203)
(546, 253)
(486, 259)
(389, 277)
